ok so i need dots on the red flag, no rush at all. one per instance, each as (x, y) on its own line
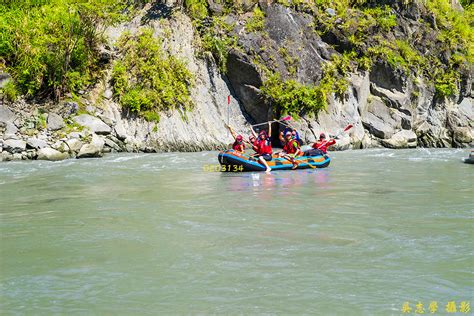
(228, 99)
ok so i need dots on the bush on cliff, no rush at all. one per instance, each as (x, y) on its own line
(50, 47)
(147, 79)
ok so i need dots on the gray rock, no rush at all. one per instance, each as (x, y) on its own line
(378, 119)
(6, 115)
(36, 143)
(55, 122)
(110, 143)
(14, 145)
(89, 151)
(17, 156)
(463, 135)
(51, 154)
(76, 135)
(31, 154)
(61, 146)
(108, 94)
(10, 128)
(74, 144)
(71, 108)
(98, 141)
(93, 123)
(402, 139)
(6, 156)
(120, 132)
(107, 120)
(331, 11)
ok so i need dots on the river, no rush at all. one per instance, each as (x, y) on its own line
(155, 233)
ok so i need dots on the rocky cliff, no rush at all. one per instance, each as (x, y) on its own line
(390, 104)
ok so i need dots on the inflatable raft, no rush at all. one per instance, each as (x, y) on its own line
(233, 161)
(470, 159)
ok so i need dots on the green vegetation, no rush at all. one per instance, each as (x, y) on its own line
(9, 91)
(197, 9)
(147, 79)
(256, 22)
(50, 47)
(292, 97)
(215, 39)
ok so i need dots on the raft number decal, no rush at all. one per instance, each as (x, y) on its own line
(219, 168)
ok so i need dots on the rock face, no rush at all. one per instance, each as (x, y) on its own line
(93, 123)
(385, 106)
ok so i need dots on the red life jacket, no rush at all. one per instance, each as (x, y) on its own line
(323, 145)
(264, 147)
(238, 146)
(291, 147)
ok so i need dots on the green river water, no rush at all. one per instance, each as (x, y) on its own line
(149, 234)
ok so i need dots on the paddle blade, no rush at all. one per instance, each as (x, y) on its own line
(348, 127)
(286, 118)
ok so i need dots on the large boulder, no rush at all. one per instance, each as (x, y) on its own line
(402, 139)
(14, 145)
(74, 145)
(51, 154)
(94, 149)
(55, 122)
(36, 143)
(89, 151)
(93, 123)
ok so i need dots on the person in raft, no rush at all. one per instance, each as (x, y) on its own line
(263, 147)
(294, 133)
(291, 148)
(323, 144)
(238, 144)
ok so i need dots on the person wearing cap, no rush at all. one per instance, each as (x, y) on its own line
(323, 144)
(238, 144)
(263, 147)
(291, 149)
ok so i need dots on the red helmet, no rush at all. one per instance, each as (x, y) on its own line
(322, 135)
(239, 138)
